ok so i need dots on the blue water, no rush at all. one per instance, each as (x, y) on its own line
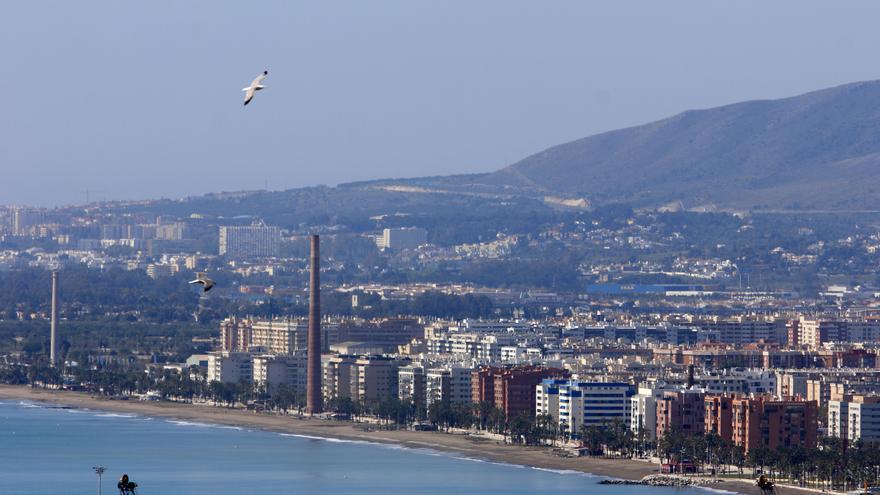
(47, 450)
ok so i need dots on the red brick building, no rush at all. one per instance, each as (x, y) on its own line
(682, 412)
(762, 422)
(719, 416)
(511, 389)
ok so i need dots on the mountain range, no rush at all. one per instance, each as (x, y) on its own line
(816, 151)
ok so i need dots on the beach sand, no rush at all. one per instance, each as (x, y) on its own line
(467, 446)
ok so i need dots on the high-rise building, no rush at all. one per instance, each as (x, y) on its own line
(741, 330)
(411, 386)
(761, 422)
(235, 334)
(814, 333)
(402, 238)
(574, 404)
(855, 418)
(158, 270)
(448, 384)
(230, 367)
(279, 336)
(272, 371)
(681, 411)
(376, 379)
(719, 415)
(643, 410)
(511, 389)
(254, 241)
(23, 219)
(171, 232)
(340, 378)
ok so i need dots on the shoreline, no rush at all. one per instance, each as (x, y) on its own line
(468, 446)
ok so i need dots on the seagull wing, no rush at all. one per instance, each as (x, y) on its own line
(256, 82)
(197, 281)
(208, 284)
(249, 95)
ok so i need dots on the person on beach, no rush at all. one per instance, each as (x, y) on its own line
(126, 487)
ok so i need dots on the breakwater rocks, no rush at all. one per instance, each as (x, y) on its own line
(662, 480)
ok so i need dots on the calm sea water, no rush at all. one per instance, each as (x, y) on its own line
(46, 450)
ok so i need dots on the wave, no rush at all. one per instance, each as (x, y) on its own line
(330, 439)
(115, 415)
(180, 422)
(718, 490)
(564, 471)
(227, 427)
(437, 453)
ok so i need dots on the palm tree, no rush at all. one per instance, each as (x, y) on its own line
(592, 437)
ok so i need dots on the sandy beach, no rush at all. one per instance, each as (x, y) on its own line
(468, 446)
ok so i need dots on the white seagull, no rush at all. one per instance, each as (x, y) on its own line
(254, 87)
(206, 282)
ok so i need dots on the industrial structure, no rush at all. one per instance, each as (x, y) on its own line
(53, 325)
(314, 398)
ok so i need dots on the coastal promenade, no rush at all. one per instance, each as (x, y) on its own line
(465, 445)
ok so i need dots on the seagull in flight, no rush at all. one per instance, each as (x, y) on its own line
(254, 87)
(206, 282)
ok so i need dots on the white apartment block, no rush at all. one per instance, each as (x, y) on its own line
(575, 404)
(376, 379)
(402, 238)
(280, 336)
(253, 241)
(411, 386)
(483, 348)
(857, 418)
(738, 381)
(740, 330)
(340, 380)
(643, 410)
(450, 383)
(271, 371)
(230, 367)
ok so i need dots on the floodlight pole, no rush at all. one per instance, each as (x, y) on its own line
(99, 470)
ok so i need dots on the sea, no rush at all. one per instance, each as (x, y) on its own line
(48, 449)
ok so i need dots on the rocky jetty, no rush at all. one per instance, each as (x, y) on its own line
(662, 480)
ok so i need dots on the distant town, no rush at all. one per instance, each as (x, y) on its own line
(706, 341)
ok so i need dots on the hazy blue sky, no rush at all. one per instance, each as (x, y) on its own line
(142, 99)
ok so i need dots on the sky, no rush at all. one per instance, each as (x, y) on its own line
(137, 100)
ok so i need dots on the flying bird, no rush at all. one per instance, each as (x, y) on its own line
(254, 87)
(206, 282)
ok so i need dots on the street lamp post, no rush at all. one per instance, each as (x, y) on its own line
(99, 470)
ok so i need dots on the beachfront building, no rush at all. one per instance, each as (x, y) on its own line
(574, 404)
(272, 371)
(681, 411)
(230, 367)
(643, 410)
(855, 418)
(376, 379)
(411, 385)
(511, 389)
(764, 423)
(448, 383)
(340, 378)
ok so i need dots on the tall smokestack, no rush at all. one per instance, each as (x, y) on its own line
(314, 399)
(53, 341)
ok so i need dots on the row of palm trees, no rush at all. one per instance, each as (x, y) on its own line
(832, 464)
